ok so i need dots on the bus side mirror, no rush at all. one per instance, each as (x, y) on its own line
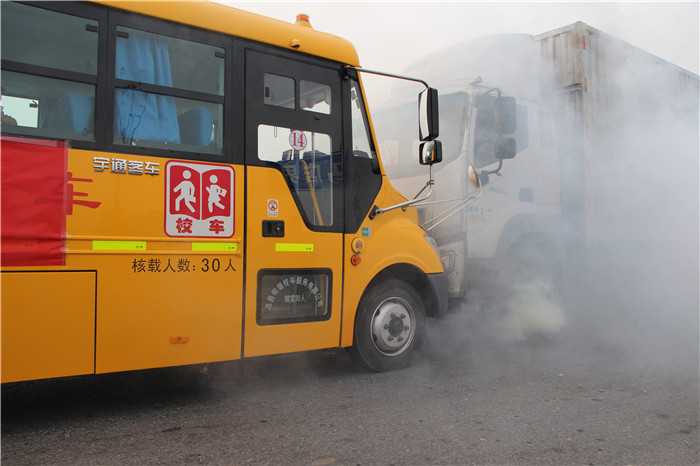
(428, 119)
(430, 152)
(505, 149)
(507, 115)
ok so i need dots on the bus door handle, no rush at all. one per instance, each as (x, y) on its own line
(273, 228)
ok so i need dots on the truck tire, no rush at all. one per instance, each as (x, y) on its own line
(389, 326)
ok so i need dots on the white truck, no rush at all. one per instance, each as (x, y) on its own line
(577, 139)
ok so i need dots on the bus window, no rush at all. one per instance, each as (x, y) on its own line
(279, 91)
(37, 46)
(305, 159)
(151, 120)
(170, 66)
(49, 39)
(360, 132)
(25, 110)
(315, 97)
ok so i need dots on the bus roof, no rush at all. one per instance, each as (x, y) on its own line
(229, 20)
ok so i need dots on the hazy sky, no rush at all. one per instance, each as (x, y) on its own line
(390, 35)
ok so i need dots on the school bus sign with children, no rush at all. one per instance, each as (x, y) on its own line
(199, 200)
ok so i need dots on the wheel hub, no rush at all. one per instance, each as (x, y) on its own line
(393, 326)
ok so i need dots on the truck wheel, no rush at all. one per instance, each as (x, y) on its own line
(389, 326)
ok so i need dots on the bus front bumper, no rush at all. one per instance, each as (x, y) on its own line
(440, 286)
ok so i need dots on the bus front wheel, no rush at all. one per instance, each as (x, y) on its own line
(389, 326)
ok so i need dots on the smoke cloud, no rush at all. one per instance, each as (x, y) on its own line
(628, 275)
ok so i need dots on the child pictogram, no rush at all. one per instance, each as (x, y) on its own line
(215, 193)
(187, 192)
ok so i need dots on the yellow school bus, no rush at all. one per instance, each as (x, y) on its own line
(184, 182)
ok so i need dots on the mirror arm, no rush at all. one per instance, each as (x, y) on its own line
(428, 225)
(381, 73)
(497, 171)
(429, 184)
(376, 210)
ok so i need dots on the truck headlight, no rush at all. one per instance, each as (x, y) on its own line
(448, 261)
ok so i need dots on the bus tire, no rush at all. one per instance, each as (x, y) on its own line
(389, 326)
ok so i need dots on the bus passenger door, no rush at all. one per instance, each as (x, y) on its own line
(294, 205)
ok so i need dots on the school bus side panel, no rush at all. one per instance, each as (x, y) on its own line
(48, 324)
(159, 302)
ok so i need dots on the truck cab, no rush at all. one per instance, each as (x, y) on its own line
(497, 191)
(512, 148)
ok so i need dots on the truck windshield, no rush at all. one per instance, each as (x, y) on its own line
(395, 128)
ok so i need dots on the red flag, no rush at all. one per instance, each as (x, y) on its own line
(33, 184)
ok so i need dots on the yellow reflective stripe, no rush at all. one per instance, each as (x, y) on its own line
(231, 247)
(118, 245)
(294, 247)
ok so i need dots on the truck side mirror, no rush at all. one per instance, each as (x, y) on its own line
(430, 152)
(428, 119)
(505, 149)
(507, 115)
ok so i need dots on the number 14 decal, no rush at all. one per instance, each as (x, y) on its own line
(297, 139)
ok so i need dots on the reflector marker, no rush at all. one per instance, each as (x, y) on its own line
(294, 247)
(118, 245)
(230, 247)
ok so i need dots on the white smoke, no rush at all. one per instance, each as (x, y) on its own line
(530, 313)
(631, 258)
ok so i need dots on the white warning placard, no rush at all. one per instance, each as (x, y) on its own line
(199, 200)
